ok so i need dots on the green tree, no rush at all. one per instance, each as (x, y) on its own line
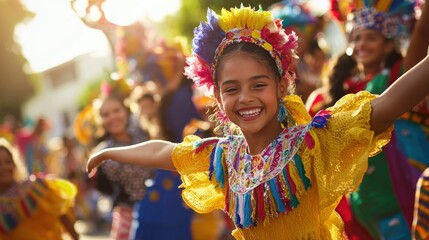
(15, 85)
(194, 11)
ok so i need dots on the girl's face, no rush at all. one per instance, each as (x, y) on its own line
(147, 107)
(114, 116)
(7, 168)
(370, 47)
(249, 93)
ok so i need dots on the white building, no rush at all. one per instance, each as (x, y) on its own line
(61, 87)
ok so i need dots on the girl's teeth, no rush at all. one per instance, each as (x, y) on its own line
(250, 113)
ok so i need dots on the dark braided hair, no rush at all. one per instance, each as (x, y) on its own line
(342, 70)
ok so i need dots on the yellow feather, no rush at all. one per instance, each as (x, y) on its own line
(243, 17)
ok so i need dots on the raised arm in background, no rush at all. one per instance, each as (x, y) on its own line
(401, 96)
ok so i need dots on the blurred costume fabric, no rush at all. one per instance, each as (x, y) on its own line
(421, 210)
(31, 210)
(162, 214)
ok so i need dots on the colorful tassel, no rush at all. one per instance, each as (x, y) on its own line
(309, 141)
(260, 207)
(200, 145)
(320, 120)
(219, 168)
(291, 185)
(301, 171)
(276, 196)
(237, 219)
(247, 221)
(212, 161)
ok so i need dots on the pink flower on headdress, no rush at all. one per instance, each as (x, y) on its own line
(288, 50)
(274, 34)
(200, 72)
(283, 43)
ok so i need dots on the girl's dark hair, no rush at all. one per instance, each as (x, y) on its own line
(20, 173)
(392, 58)
(259, 53)
(147, 96)
(7, 150)
(314, 47)
(342, 70)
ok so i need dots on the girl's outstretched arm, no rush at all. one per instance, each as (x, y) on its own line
(153, 154)
(419, 40)
(400, 97)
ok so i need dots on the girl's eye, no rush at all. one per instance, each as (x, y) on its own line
(230, 90)
(260, 85)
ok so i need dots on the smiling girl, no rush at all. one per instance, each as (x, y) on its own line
(277, 173)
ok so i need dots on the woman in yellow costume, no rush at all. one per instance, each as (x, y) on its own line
(34, 208)
(277, 173)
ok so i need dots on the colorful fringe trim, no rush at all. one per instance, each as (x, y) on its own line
(24, 208)
(278, 195)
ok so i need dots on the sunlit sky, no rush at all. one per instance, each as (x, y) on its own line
(56, 35)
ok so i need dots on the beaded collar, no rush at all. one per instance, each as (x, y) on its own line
(248, 171)
(264, 185)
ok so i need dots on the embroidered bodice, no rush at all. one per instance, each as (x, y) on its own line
(265, 178)
(248, 171)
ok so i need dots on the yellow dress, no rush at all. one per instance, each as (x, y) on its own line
(334, 165)
(32, 209)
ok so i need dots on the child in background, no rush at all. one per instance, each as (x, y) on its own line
(383, 203)
(34, 208)
(277, 173)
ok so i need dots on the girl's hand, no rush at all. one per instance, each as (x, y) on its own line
(93, 162)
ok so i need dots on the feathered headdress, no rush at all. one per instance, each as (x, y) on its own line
(293, 13)
(390, 17)
(237, 25)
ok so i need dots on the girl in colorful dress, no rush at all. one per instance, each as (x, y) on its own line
(277, 173)
(33, 208)
(386, 194)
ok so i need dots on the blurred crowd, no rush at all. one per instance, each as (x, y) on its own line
(150, 98)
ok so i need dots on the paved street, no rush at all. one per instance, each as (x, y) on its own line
(84, 229)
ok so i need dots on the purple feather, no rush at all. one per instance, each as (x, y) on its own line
(207, 36)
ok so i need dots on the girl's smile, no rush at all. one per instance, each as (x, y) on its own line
(249, 114)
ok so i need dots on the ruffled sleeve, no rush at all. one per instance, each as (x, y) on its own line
(201, 191)
(60, 198)
(346, 143)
